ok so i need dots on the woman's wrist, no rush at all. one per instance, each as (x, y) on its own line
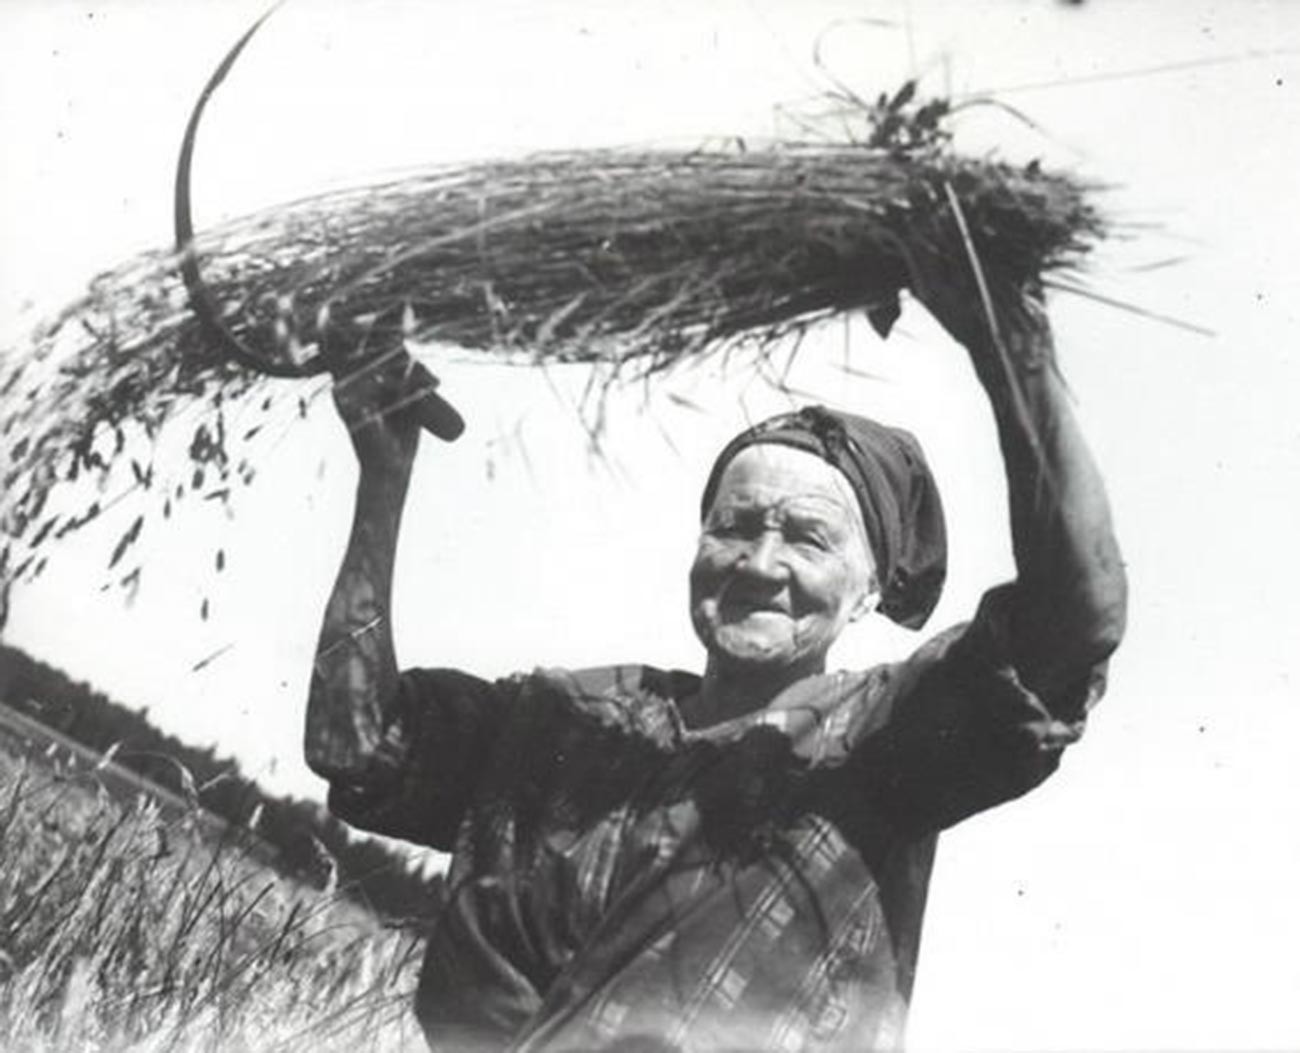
(1018, 357)
(385, 455)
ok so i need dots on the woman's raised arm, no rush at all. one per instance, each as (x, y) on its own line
(1069, 600)
(983, 712)
(354, 676)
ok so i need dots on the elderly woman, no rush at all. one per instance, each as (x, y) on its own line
(649, 859)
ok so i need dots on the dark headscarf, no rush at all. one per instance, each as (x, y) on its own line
(895, 490)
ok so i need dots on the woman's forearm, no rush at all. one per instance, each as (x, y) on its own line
(1071, 587)
(354, 675)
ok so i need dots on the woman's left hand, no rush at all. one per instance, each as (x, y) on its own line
(1003, 325)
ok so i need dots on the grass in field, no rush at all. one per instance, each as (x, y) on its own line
(123, 930)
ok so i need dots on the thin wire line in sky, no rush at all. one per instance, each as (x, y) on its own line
(1145, 71)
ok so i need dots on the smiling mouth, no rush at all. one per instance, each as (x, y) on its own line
(741, 607)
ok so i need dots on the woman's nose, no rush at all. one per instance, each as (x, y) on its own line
(763, 557)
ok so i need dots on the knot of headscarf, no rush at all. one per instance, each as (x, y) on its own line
(895, 490)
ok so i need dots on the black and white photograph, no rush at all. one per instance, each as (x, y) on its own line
(660, 527)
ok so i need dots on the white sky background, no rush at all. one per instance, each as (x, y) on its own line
(1145, 898)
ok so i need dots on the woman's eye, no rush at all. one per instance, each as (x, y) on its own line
(733, 527)
(729, 536)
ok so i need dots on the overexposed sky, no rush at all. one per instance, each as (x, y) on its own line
(1144, 899)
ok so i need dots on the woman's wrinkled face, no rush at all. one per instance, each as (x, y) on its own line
(782, 565)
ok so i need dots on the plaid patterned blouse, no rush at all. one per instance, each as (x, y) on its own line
(620, 881)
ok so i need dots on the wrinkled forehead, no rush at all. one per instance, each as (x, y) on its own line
(771, 473)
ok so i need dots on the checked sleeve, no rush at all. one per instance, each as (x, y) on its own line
(434, 750)
(956, 730)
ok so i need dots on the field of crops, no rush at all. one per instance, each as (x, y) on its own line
(124, 929)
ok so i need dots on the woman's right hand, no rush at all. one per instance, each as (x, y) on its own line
(386, 397)
(380, 403)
